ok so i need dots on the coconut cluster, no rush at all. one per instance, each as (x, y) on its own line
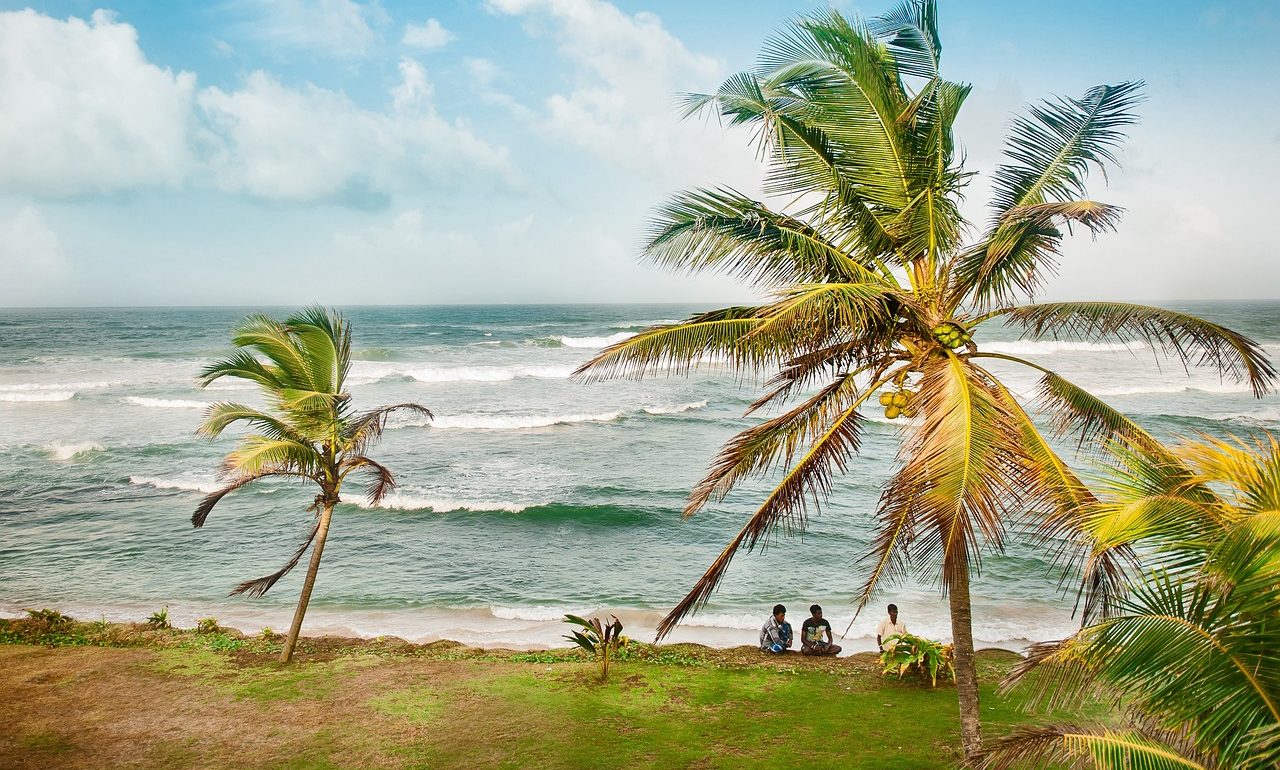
(952, 335)
(898, 404)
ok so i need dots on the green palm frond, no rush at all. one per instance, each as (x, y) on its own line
(257, 453)
(713, 337)
(808, 482)
(211, 500)
(1101, 748)
(271, 339)
(911, 29)
(1050, 152)
(242, 364)
(220, 415)
(727, 232)
(367, 428)
(1192, 340)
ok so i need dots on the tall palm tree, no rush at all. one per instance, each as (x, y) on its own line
(873, 287)
(1193, 652)
(308, 430)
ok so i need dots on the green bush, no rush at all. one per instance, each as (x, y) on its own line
(922, 657)
(208, 626)
(48, 618)
(159, 620)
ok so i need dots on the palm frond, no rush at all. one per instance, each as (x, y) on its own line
(257, 453)
(1101, 748)
(1194, 341)
(365, 430)
(381, 483)
(242, 364)
(222, 414)
(210, 500)
(715, 336)
(725, 231)
(1050, 152)
(259, 586)
(911, 28)
(807, 482)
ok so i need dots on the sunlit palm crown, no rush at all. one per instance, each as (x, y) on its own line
(1194, 651)
(874, 285)
(308, 430)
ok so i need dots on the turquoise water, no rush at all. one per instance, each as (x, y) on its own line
(530, 495)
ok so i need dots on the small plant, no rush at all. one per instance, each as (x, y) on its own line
(267, 635)
(159, 619)
(50, 619)
(599, 639)
(924, 657)
(100, 625)
(208, 626)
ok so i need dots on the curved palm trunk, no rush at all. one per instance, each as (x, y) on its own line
(317, 550)
(966, 668)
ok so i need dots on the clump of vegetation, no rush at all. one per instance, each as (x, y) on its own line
(918, 655)
(602, 640)
(159, 620)
(268, 635)
(50, 619)
(208, 626)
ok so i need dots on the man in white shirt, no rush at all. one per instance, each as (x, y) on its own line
(889, 627)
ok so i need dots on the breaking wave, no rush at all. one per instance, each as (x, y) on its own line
(186, 485)
(41, 395)
(595, 342)
(165, 403)
(70, 451)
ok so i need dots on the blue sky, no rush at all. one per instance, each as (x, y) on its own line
(249, 152)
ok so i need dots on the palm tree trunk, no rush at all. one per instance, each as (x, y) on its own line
(966, 668)
(321, 533)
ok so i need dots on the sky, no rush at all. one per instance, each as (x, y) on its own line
(250, 152)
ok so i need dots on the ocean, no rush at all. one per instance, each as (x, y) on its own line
(530, 495)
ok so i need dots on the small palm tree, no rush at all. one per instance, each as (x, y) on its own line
(308, 430)
(873, 287)
(1193, 652)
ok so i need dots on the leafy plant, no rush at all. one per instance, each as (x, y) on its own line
(874, 280)
(48, 618)
(602, 640)
(916, 654)
(159, 619)
(1193, 650)
(308, 432)
(268, 635)
(208, 626)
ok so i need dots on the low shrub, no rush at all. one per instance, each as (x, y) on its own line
(923, 657)
(159, 620)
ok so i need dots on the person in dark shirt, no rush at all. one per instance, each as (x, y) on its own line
(815, 635)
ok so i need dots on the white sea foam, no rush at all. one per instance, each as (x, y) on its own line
(1268, 414)
(1049, 347)
(185, 484)
(646, 324)
(406, 502)
(595, 342)
(70, 451)
(536, 613)
(41, 395)
(369, 373)
(26, 387)
(517, 422)
(677, 409)
(1173, 387)
(165, 403)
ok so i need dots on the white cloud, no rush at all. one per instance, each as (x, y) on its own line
(31, 257)
(628, 71)
(84, 111)
(427, 36)
(309, 144)
(342, 28)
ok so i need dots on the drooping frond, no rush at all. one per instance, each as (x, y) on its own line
(1050, 152)
(213, 498)
(1194, 341)
(222, 414)
(259, 586)
(775, 441)
(713, 337)
(364, 430)
(381, 483)
(808, 482)
(1058, 506)
(1101, 748)
(1076, 411)
(727, 232)
(243, 365)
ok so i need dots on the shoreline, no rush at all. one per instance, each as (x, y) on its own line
(480, 629)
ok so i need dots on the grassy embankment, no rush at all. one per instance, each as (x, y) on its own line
(97, 695)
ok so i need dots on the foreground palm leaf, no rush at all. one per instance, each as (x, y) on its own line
(1194, 651)
(308, 431)
(874, 289)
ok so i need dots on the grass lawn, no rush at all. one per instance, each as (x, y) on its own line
(167, 699)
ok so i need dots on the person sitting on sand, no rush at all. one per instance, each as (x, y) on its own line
(889, 627)
(815, 635)
(775, 637)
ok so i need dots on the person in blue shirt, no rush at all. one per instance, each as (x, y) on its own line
(775, 636)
